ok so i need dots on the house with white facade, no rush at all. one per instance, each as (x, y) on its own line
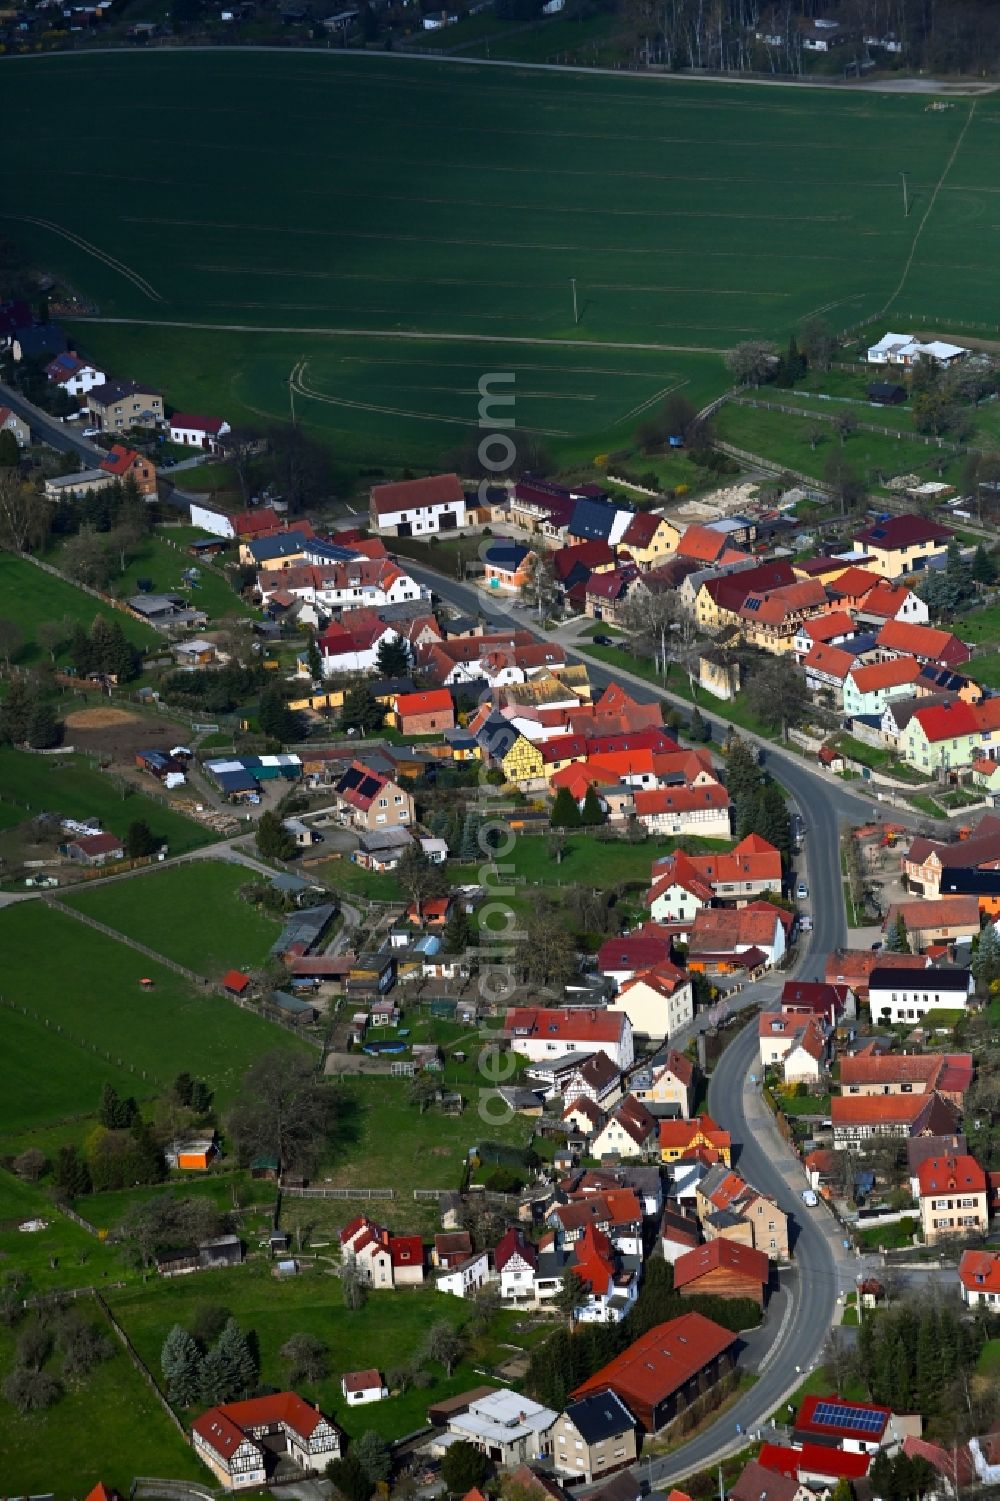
(516, 1262)
(629, 1131)
(360, 1387)
(506, 1426)
(74, 375)
(191, 430)
(464, 1279)
(907, 350)
(240, 1441)
(537, 1033)
(901, 995)
(658, 1002)
(418, 507)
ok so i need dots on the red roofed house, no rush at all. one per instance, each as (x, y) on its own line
(979, 1276)
(240, 1440)
(701, 543)
(12, 422)
(723, 1268)
(719, 935)
(622, 958)
(516, 1262)
(418, 507)
(251, 525)
(754, 1483)
(857, 1119)
(907, 1073)
(407, 1252)
(827, 667)
(125, 463)
(867, 689)
(748, 870)
(901, 545)
(649, 539)
(194, 431)
(680, 1138)
(924, 642)
(659, 1001)
(539, 1034)
(629, 1131)
(954, 1198)
(892, 602)
(424, 713)
(818, 1466)
(667, 1369)
(360, 1387)
(856, 1427)
(75, 375)
(368, 800)
(685, 810)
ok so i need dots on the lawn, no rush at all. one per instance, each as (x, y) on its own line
(588, 861)
(988, 1363)
(161, 563)
(713, 225)
(60, 1256)
(344, 876)
(108, 1427)
(385, 1142)
(893, 1237)
(982, 624)
(29, 595)
(734, 710)
(69, 785)
(191, 913)
(79, 980)
(387, 1333)
(785, 440)
(985, 670)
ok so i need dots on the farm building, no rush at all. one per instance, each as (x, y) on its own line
(665, 1370)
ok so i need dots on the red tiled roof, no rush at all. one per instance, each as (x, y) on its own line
(936, 912)
(119, 460)
(212, 425)
(432, 701)
(855, 582)
(884, 1109)
(979, 1271)
(823, 628)
(662, 1360)
(885, 600)
(830, 660)
(98, 844)
(513, 1243)
(679, 799)
(947, 721)
(729, 1255)
(223, 1427)
(886, 674)
(567, 1026)
(642, 529)
(961, 1174)
(362, 1381)
(701, 543)
(902, 531)
(256, 523)
(681, 1134)
(406, 1250)
(807, 1422)
(235, 981)
(406, 495)
(814, 1459)
(923, 641)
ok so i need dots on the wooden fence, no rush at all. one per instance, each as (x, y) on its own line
(930, 440)
(140, 1365)
(338, 1193)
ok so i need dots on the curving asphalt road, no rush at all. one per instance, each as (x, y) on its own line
(802, 1310)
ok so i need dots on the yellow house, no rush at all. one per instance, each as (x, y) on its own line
(523, 762)
(334, 699)
(901, 545)
(649, 539)
(680, 1138)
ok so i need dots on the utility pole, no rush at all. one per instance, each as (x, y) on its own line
(906, 197)
(291, 393)
(576, 319)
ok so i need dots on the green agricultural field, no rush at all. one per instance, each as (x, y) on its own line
(985, 670)
(69, 785)
(29, 596)
(387, 1332)
(107, 1427)
(690, 215)
(88, 984)
(49, 1078)
(191, 913)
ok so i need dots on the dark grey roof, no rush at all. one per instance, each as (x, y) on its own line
(599, 1416)
(915, 978)
(593, 519)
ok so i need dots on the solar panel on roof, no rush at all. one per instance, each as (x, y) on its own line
(838, 1415)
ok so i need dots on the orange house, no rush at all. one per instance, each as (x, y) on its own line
(124, 462)
(680, 1138)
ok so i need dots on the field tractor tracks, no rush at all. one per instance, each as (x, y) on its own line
(101, 255)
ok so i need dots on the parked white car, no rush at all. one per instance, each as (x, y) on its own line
(809, 1198)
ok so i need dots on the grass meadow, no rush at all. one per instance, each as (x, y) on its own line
(69, 785)
(690, 214)
(29, 596)
(387, 1332)
(88, 984)
(191, 913)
